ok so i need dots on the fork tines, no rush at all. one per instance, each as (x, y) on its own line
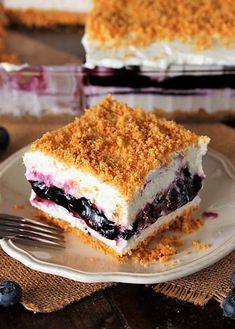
(19, 228)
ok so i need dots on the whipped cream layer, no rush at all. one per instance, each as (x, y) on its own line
(60, 5)
(107, 198)
(158, 55)
(120, 246)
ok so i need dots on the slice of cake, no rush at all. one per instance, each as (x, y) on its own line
(48, 13)
(116, 175)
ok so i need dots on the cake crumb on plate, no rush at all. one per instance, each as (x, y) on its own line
(198, 246)
(19, 206)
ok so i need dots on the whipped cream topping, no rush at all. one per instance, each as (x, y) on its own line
(61, 5)
(158, 55)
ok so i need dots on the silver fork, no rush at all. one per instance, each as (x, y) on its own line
(30, 231)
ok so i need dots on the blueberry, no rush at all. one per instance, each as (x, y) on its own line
(10, 293)
(173, 199)
(187, 173)
(229, 306)
(196, 185)
(233, 277)
(183, 191)
(4, 138)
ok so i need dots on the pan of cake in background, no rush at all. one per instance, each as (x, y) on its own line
(171, 58)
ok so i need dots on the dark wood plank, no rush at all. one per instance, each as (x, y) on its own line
(90, 313)
(140, 307)
(171, 313)
(130, 302)
(123, 306)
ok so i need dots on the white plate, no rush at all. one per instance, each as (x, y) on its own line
(82, 263)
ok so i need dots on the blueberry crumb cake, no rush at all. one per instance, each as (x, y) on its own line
(116, 175)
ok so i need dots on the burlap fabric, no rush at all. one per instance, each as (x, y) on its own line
(46, 293)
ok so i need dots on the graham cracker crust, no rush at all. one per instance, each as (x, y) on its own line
(45, 18)
(141, 253)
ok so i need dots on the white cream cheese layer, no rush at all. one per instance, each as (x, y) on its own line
(106, 197)
(158, 55)
(120, 246)
(211, 103)
(61, 5)
(20, 103)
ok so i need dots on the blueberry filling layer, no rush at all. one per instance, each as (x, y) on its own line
(134, 78)
(182, 190)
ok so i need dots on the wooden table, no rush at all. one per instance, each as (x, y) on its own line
(122, 306)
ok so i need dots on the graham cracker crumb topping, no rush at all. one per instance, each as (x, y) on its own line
(116, 143)
(139, 23)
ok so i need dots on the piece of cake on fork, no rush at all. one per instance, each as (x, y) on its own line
(116, 175)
